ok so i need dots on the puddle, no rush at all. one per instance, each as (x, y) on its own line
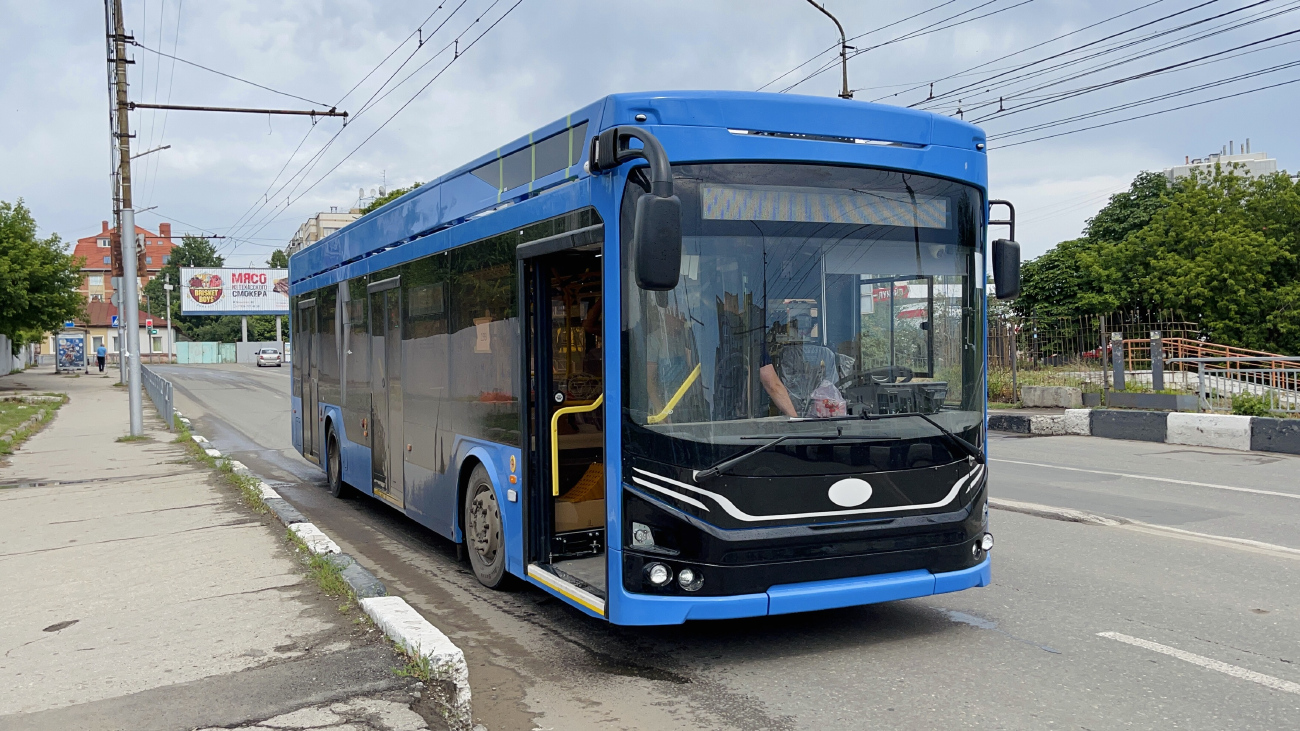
(982, 623)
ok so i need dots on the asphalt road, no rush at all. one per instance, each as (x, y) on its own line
(1085, 627)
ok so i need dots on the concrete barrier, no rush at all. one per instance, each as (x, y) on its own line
(1051, 397)
(1209, 430)
(1078, 422)
(1142, 426)
(1275, 435)
(1014, 423)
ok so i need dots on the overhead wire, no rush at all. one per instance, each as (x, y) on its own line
(926, 30)
(229, 76)
(258, 205)
(833, 46)
(460, 54)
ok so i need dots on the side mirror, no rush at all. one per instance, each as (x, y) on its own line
(657, 242)
(1006, 269)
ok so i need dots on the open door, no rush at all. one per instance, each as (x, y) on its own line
(387, 449)
(305, 349)
(563, 296)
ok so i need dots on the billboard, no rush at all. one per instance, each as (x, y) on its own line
(226, 291)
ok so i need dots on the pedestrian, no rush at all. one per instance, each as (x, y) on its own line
(101, 354)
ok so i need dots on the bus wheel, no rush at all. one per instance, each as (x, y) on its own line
(334, 465)
(484, 537)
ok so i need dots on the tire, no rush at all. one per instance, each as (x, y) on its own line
(484, 537)
(334, 466)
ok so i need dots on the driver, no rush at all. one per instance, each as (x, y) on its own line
(776, 390)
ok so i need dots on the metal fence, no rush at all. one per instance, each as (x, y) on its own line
(160, 392)
(1221, 381)
(1074, 351)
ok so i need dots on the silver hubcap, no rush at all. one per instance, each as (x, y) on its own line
(485, 525)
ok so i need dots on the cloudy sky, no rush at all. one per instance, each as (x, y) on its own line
(223, 173)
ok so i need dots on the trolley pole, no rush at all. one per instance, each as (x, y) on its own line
(130, 296)
(844, 52)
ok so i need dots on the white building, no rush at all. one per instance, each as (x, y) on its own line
(1246, 163)
(321, 225)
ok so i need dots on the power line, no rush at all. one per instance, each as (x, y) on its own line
(926, 30)
(460, 54)
(1137, 55)
(228, 76)
(1144, 116)
(257, 206)
(1062, 96)
(968, 71)
(854, 38)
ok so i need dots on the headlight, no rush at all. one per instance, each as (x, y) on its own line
(986, 542)
(658, 574)
(690, 579)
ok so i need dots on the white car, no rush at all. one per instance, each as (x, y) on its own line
(268, 357)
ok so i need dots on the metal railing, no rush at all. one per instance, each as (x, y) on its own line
(160, 392)
(1274, 378)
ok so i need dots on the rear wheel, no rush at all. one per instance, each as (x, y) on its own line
(334, 465)
(484, 537)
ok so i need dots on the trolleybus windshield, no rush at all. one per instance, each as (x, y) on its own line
(808, 293)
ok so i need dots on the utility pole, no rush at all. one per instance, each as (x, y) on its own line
(129, 312)
(844, 52)
(171, 342)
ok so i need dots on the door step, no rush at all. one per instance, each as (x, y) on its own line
(572, 587)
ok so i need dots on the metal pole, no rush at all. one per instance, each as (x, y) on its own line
(278, 339)
(844, 54)
(1117, 359)
(1157, 362)
(171, 337)
(243, 328)
(1014, 347)
(130, 310)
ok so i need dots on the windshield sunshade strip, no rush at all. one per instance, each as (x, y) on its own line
(739, 514)
(819, 205)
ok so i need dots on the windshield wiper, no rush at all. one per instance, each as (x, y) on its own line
(970, 449)
(711, 472)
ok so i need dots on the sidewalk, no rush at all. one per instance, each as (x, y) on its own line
(141, 593)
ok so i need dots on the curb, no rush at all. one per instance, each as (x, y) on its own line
(1243, 433)
(392, 614)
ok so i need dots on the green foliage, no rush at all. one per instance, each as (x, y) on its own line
(278, 260)
(1221, 248)
(1248, 404)
(389, 197)
(38, 280)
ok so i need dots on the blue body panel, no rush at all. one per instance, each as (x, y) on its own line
(693, 126)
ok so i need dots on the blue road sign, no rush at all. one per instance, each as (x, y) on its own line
(69, 323)
(114, 323)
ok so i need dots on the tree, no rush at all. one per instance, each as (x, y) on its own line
(193, 251)
(389, 197)
(278, 260)
(38, 280)
(1218, 247)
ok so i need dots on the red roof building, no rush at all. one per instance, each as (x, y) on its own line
(97, 272)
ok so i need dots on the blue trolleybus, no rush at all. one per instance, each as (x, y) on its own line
(683, 355)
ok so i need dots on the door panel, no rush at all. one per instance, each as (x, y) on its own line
(310, 376)
(386, 447)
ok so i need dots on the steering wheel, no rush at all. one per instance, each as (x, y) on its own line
(883, 374)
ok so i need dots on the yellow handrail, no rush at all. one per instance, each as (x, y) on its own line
(555, 438)
(672, 402)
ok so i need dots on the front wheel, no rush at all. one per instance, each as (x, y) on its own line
(484, 537)
(334, 466)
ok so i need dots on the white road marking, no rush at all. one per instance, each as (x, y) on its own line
(1267, 681)
(1293, 496)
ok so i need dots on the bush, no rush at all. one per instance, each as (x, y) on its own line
(1248, 404)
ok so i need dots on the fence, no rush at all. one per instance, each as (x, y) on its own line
(160, 392)
(1222, 379)
(205, 353)
(1073, 351)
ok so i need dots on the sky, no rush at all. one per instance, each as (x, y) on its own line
(223, 174)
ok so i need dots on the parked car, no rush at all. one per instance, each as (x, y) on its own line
(269, 357)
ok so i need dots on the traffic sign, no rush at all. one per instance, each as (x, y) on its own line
(114, 321)
(153, 331)
(148, 322)
(69, 323)
(116, 299)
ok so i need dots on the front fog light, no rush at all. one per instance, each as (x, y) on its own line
(658, 574)
(690, 580)
(986, 542)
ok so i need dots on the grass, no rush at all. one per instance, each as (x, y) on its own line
(14, 412)
(134, 438)
(418, 666)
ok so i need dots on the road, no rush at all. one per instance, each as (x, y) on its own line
(1085, 626)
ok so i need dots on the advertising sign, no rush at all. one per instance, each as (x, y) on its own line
(71, 349)
(225, 291)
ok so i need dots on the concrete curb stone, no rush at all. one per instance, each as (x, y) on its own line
(1014, 423)
(1142, 426)
(364, 584)
(1209, 430)
(1078, 422)
(1275, 435)
(287, 513)
(316, 540)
